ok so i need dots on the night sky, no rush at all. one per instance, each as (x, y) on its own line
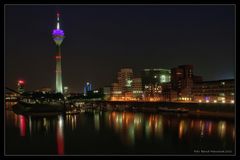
(101, 39)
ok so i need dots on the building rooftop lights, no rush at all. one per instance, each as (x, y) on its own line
(21, 82)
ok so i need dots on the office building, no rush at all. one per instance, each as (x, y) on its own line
(153, 81)
(137, 88)
(124, 78)
(182, 80)
(87, 88)
(219, 91)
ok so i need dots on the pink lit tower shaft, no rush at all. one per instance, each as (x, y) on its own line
(58, 36)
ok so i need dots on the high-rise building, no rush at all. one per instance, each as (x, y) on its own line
(127, 86)
(87, 88)
(66, 90)
(125, 79)
(137, 88)
(182, 80)
(20, 86)
(58, 36)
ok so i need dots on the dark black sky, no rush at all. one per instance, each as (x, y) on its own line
(101, 39)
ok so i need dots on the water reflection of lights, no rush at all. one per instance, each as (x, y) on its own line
(180, 129)
(60, 136)
(132, 126)
(60, 121)
(202, 128)
(148, 130)
(222, 128)
(72, 121)
(45, 124)
(233, 133)
(137, 120)
(159, 127)
(96, 121)
(210, 128)
(22, 126)
(16, 120)
(192, 123)
(134, 123)
(30, 125)
(131, 134)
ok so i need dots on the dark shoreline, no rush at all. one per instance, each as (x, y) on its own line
(194, 109)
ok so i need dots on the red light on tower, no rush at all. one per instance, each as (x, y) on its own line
(21, 82)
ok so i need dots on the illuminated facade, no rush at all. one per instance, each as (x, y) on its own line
(220, 91)
(58, 36)
(127, 87)
(125, 77)
(153, 82)
(87, 88)
(156, 76)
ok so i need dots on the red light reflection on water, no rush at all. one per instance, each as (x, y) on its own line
(22, 125)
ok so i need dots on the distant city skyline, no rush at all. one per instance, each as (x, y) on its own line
(100, 40)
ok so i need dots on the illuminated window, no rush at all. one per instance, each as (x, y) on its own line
(163, 79)
(221, 94)
(128, 83)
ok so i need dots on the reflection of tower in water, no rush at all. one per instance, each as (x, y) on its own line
(60, 136)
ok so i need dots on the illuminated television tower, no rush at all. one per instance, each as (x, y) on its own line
(58, 36)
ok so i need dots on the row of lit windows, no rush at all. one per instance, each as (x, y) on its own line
(215, 101)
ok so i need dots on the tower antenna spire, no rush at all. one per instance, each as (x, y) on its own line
(58, 21)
